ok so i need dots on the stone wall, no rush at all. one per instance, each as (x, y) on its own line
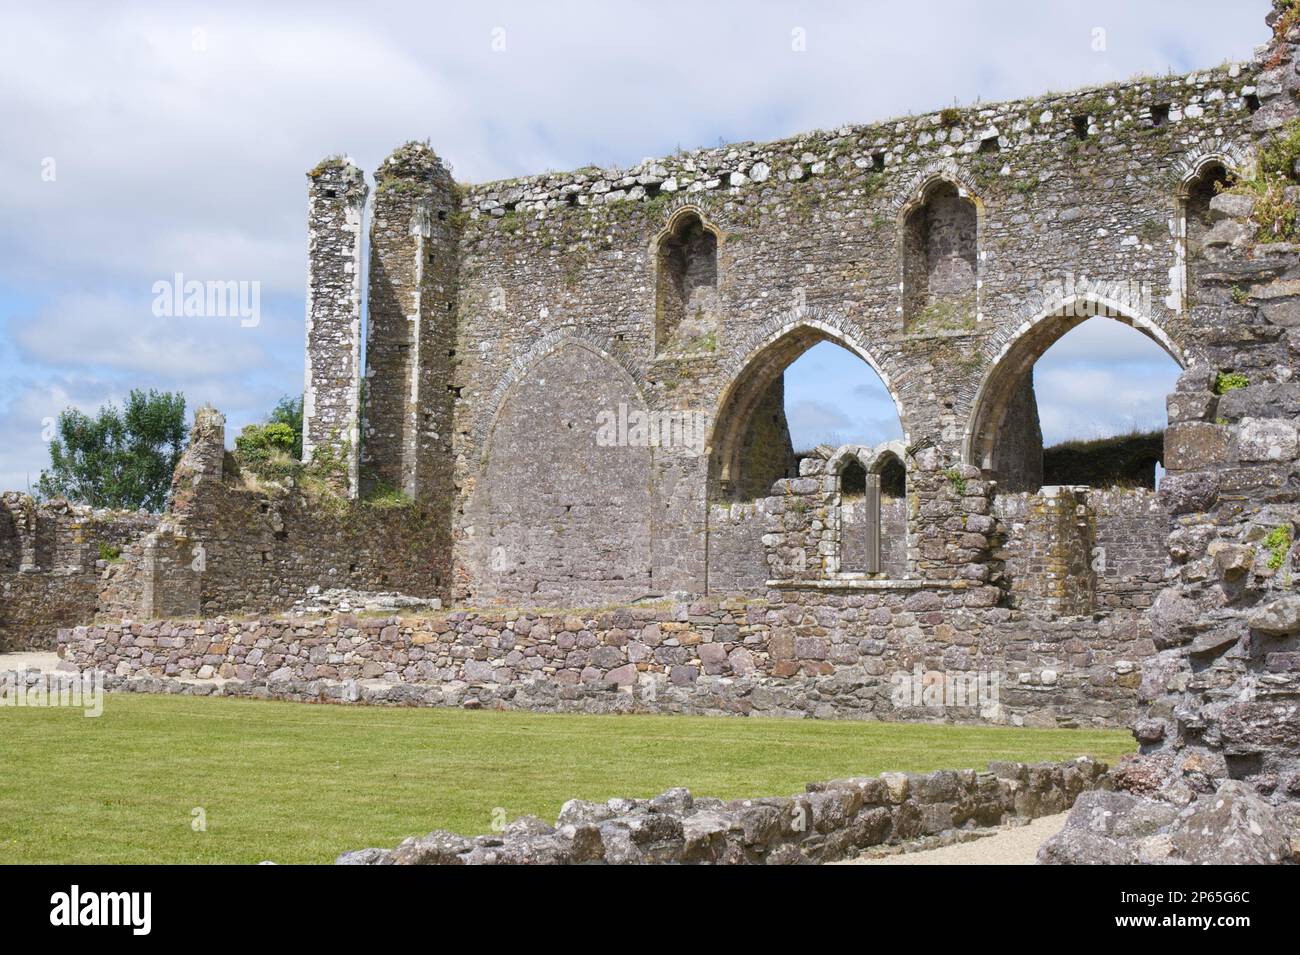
(736, 557)
(560, 517)
(51, 564)
(807, 243)
(1222, 696)
(1081, 550)
(231, 547)
(1130, 528)
(831, 820)
(836, 654)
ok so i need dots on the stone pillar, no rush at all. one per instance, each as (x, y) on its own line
(331, 399)
(1219, 700)
(411, 331)
(1059, 578)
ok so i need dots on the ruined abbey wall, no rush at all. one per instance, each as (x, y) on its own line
(1067, 202)
(228, 547)
(573, 399)
(51, 558)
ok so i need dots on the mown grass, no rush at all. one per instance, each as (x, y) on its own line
(302, 783)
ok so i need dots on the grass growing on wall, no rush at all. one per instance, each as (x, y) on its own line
(301, 783)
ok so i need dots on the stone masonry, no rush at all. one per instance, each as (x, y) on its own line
(687, 558)
(331, 403)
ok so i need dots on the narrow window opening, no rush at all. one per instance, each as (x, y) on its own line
(686, 288)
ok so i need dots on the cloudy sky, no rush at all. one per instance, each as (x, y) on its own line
(144, 140)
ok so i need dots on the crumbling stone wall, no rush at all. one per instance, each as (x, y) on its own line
(831, 820)
(227, 547)
(51, 564)
(472, 287)
(1221, 698)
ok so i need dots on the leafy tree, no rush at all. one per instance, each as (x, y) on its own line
(288, 411)
(119, 458)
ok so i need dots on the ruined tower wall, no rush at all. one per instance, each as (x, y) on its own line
(331, 403)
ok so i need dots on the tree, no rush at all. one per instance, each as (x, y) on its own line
(119, 458)
(288, 411)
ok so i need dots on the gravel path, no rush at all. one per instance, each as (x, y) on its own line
(1015, 845)
(33, 660)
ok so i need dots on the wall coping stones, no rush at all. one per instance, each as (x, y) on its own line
(828, 821)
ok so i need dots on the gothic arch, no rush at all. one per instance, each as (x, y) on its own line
(1014, 352)
(1237, 162)
(538, 530)
(912, 196)
(542, 349)
(757, 365)
(687, 278)
(940, 224)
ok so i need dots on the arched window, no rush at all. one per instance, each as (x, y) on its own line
(858, 504)
(805, 391)
(1208, 182)
(870, 509)
(940, 261)
(686, 286)
(892, 513)
(1078, 399)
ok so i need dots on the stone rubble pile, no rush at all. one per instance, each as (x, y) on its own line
(1232, 826)
(831, 820)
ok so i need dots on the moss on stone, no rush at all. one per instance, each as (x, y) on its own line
(1278, 542)
(1229, 381)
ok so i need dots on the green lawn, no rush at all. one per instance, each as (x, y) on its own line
(301, 783)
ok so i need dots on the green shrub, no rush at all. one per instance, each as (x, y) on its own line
(267, 450)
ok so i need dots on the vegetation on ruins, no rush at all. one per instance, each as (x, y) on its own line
(1229, 381)
(1124, 460)
(121, 457)
(1273, 186)
(273, 450)
(1278, 542)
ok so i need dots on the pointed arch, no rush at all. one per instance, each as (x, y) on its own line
(1198, 173)
(687, 280)
(752, 374)
(538, 531)
(941, 225)
(521, 368)
(1018, 351)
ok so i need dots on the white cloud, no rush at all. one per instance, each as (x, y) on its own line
(175, 158)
